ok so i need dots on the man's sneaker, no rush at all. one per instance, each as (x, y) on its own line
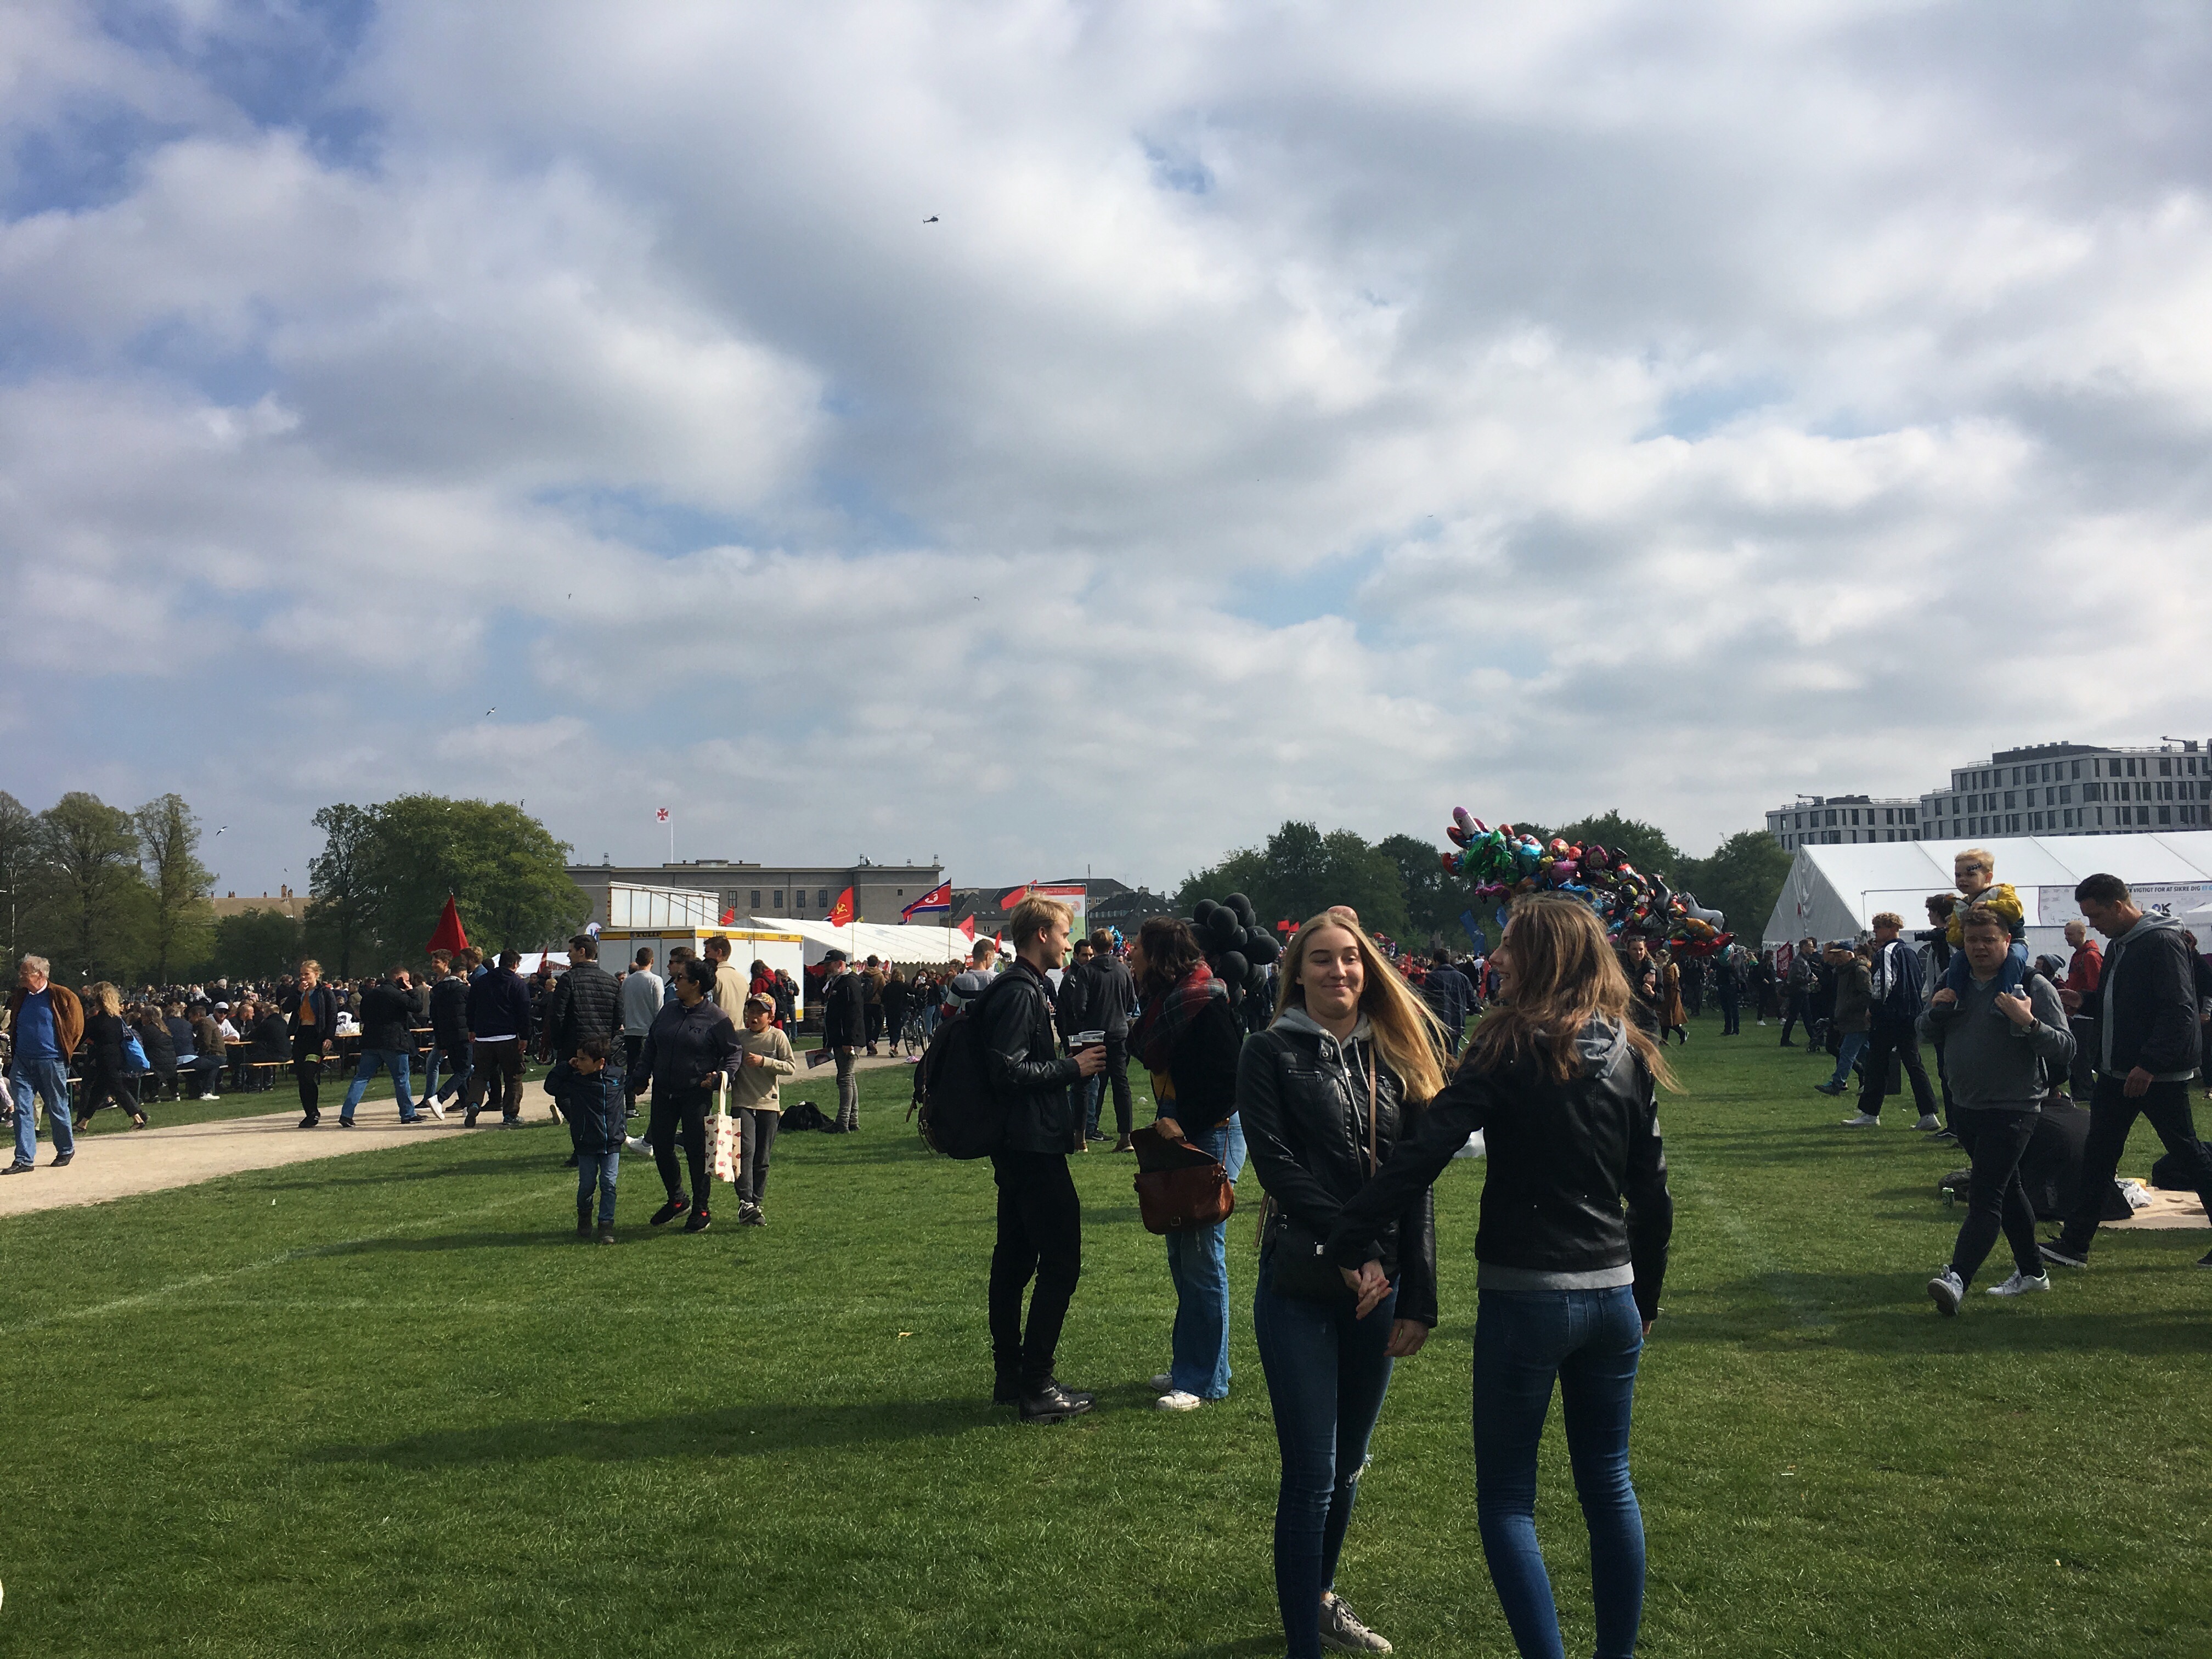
(437, 1110)
(210, 1096)
(1054, 1404)
(468, 1121)
(1163, 1382)
(606, 1232)
(634, 1144)
(668, 1211)
(2020, 1285)
(1862, 1121)
(344, 1122)
(698, 1221)
(1340, 1629)
(1929, 1123)
(312, 1121)
(1947, 1291)
(60, 1160)
(19, 1168)
(749, 1215)
(2064, 1254)
(1832, 1089)
(1175, 1399)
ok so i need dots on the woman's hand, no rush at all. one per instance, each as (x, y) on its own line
(1406, 1336)
(1370, 1284)
(1170, 1131)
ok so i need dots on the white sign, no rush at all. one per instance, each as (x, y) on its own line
(2055, 906)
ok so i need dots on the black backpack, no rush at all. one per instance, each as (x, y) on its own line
(960, 1114)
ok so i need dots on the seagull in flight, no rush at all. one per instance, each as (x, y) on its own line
(490, 712)
(931, 220)
(224, 827)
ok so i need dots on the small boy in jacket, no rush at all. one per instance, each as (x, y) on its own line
(1975, 872)
(591, 1097)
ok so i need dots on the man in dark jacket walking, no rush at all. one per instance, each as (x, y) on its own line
(692, 1041)
(1040, 1220)
(387, 1044)
(1893, 1025)
(2147, 1054)
(449, 1033)
(499, 1033)
(1111, 994)
(1449, 997)
(586, 1006)
(844, 1030)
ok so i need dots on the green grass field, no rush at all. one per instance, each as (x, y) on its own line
(387, 1404)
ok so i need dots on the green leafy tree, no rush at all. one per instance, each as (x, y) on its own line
(94, 908)
(181, 919)
(338, 886)
(1643, 845)
(1301, 872)
(19, 868)
(1742, 879)
(1433, 896)
(255, 945)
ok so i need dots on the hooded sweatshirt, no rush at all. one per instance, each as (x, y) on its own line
(2147, 998)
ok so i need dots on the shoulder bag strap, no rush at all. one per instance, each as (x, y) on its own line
(1373, 1166)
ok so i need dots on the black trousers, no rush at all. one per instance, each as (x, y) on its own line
(1883, 1041)
(1039, 1237)
(755, 1140)
(1997, 1199)
(683, 1118)
(495, 1078)
(1731, 1014)
(633, 1080)
(1117, 1078)
(307, 1069)
(1797, 1011)
(101, 1088)
(2112, 1115)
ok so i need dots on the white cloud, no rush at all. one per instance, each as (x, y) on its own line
(1339, 414)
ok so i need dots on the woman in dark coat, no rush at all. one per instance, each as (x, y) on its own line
(107, 1075)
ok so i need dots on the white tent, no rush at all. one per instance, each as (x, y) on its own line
(861, 939)
(1835, 892)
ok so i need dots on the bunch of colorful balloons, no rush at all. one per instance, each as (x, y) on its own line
(1503, 863)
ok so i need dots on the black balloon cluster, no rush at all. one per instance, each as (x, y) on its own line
(1236, 947)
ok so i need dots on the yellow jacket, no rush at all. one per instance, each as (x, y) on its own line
(1998, 897)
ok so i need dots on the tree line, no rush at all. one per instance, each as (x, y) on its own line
(1400, 888)
(104, 892)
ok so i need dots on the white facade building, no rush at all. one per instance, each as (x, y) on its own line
(1843, 820)
(2074, 789)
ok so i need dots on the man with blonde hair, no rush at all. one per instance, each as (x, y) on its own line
(48, 1023)
(1040, 1232)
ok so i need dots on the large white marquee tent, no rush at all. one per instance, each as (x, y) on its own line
(1835, 892)
(859, 940)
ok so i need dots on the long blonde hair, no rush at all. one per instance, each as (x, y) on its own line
(1564, 976)
(104, 997)
(1407, 1036)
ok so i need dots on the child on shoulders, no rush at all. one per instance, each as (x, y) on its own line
(1975, 872)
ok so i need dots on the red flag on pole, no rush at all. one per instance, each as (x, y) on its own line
(449, 938)
(841, 913)
(729, 917)
(967, 927)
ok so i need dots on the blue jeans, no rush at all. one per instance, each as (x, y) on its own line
(373, 1060)
(1959, 974)
(1327, 1374)
(598, 1170)
(1590, 1341)
(1197, 1263)
(34, 1079)
(456, 1064)
(1848, 1049)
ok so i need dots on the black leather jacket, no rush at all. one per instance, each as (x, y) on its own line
(1023, 1064)
(1303, 1103)
(1575, 1181)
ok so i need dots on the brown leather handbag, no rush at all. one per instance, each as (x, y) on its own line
(1178, 1185)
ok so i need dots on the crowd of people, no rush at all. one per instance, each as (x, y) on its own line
(1346, 1089)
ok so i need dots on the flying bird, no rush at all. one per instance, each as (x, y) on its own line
(490, 712)
(931, 220)
(224, 827)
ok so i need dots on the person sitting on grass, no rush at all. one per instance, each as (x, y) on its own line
(1997, 1079)
(691, 1042)
(590, 1094)
(1975, 872)
(1853, 977)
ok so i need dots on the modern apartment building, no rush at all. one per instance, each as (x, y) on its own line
(2074, 789)
(1843, 820)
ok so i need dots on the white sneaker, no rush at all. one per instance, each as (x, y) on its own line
(1863, 1121)
(436, 1110)
(1929, 1122)
(1947, 1291)
(1164, 1382)
(632, 1143)
(210, 1096)
(2020, 1285)
(1177, 1401)
(1340, 1629)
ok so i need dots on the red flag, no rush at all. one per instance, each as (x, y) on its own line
(841, 913)
(729, 917)
(449, 938)
(967, 927)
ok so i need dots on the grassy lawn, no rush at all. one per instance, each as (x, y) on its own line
(387, 1403)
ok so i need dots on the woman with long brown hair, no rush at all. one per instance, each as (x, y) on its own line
(1570, 1252)
(1326, 1093)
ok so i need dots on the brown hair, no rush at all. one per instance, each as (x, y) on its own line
(1169, 948)
(1566, 973)
(1406, 1034)
(1892, 918)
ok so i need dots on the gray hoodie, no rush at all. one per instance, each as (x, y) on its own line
(1992, 1064)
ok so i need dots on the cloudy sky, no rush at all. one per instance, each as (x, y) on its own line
(1043, 434)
